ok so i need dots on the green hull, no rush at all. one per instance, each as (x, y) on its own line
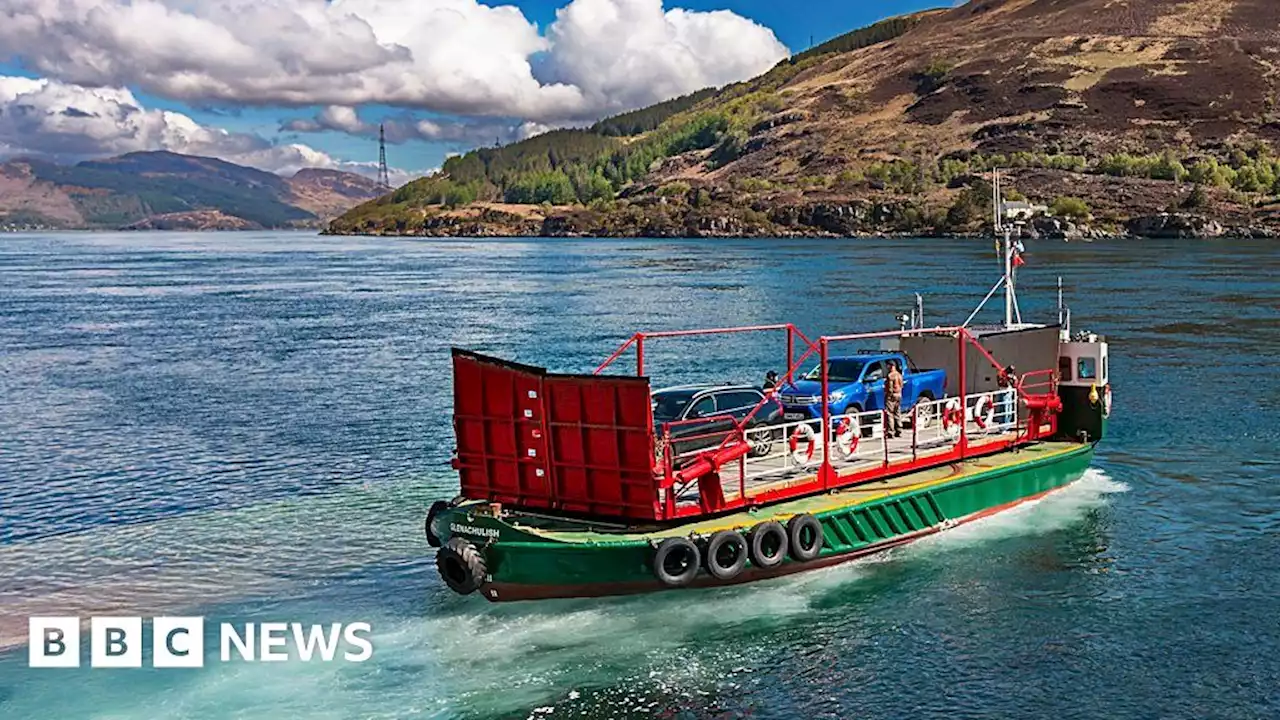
(529, 558)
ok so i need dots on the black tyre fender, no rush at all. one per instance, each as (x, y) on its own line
(767, 544)
(726, 554)
(461, 565)
(437, 507)
(676, 561)
(804, 533)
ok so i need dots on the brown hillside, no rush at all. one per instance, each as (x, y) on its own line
(328, 193)
(1083, 76)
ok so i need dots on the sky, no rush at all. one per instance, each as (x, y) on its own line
(287, 84)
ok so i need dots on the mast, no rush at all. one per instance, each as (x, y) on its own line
(995, 200)
(1008, 280)
(1059, 299)
(1007, 251)
(1005, 255)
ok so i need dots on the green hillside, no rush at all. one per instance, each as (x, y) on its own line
(593, 165)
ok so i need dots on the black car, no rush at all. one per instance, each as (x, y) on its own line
(717, 403)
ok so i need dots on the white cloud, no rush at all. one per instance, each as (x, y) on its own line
(450, 56)
(466, 131)
(370, 169)
(623, 54)
(66, 122)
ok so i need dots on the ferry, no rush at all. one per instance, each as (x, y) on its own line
(596, 484)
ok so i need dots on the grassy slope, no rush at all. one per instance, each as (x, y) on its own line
(1124, 104)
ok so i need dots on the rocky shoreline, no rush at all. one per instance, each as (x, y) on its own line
(816, 221)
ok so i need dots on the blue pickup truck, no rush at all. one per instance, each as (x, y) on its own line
(856, 384)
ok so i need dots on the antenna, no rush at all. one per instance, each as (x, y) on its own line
(1064, 315)
(995, 199)
(1010, 294)
(384, 177)
(1059, 299)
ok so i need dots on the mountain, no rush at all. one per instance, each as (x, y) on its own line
(172, 191)
(328, 193)
(1137, 116)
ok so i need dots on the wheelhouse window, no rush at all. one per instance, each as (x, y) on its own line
(1087, 368)
(1064, 369)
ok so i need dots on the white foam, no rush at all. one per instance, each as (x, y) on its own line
(466, 655)
(1055, 511)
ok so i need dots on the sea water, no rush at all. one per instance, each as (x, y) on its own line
(250, 427)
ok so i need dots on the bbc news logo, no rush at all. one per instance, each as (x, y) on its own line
(178, 642)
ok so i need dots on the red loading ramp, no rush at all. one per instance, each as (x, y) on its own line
(533, 439)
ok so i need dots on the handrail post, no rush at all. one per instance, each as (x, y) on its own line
(915, 427)
(791, 343)
(639, 354)
(668, 460)
(826, 418)
(742, 478)
(962, 339)
(884, 432)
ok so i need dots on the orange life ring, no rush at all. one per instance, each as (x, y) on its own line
(802, 433)
(952, 417)
(849, 448)
(982, 417)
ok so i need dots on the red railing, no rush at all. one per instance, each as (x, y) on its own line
(712, 460)
(709, 463)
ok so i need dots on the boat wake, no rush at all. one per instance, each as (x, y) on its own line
(446, 655)
(497, 659)
(1057, 510)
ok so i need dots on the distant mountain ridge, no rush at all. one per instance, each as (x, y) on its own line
(173, 191)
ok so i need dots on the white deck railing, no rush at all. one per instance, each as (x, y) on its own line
(861, 437)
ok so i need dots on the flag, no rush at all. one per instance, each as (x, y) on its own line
(1018, 249)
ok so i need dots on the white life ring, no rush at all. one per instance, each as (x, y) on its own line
(1106, 401)
(803, 441)
(952, 418)
(847, 434)
(984, 412)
